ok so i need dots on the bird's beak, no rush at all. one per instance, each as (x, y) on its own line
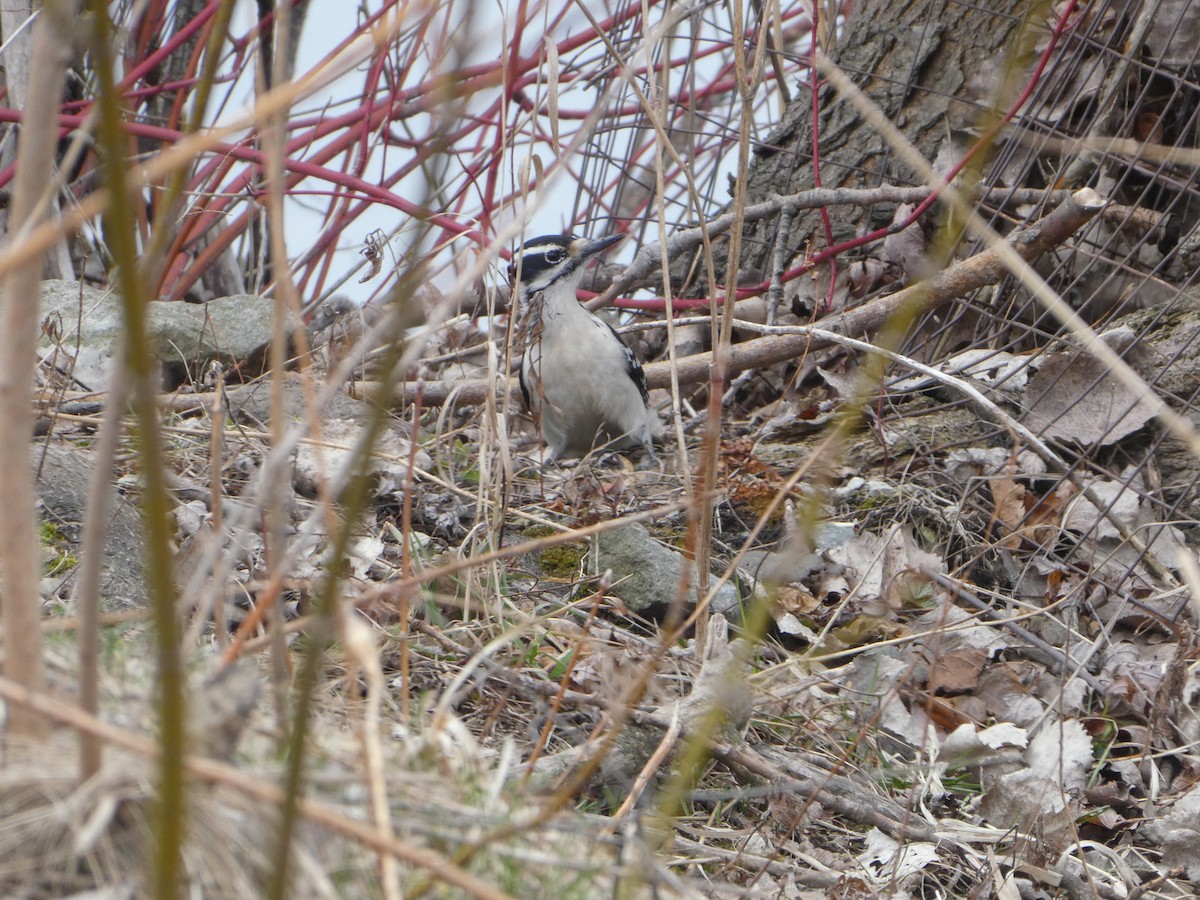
(597, 247)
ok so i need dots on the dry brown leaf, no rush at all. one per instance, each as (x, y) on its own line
(1062, 752)
(1073, 397)
(795, 599)
(752, 485)
(888, 861)
(1025, 515)
(956, 672)
(1030, 802)
(1009, 500)
(1002, 686)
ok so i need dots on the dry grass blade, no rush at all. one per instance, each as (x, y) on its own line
(18, 328)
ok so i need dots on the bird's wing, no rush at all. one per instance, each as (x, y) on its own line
(529, 335)
(524, 385)
(633, 368)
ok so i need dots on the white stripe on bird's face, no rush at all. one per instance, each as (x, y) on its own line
(554, 259)
(544, 261)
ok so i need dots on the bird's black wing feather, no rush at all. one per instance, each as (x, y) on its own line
(524, 386)
(529, 331)
(633, 368)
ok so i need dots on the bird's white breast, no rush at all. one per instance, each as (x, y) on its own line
(577, 373)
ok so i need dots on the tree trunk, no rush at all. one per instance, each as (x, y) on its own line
(932, 67)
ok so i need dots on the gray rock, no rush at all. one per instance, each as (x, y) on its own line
(185, 337)
(251, 403)
(646, 574)
(62, 486)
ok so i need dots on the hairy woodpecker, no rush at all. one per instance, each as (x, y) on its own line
(582, 384)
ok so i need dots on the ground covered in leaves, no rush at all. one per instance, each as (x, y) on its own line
(935, 656)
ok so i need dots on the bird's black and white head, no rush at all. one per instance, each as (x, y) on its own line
(554, 259)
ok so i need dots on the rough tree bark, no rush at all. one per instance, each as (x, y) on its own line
(932, 66)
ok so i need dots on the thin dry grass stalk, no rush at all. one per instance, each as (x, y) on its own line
(120, 232)
(246, 784)
(18, 335)
(87, 585)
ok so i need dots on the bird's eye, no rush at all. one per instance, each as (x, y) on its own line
(555, 256)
